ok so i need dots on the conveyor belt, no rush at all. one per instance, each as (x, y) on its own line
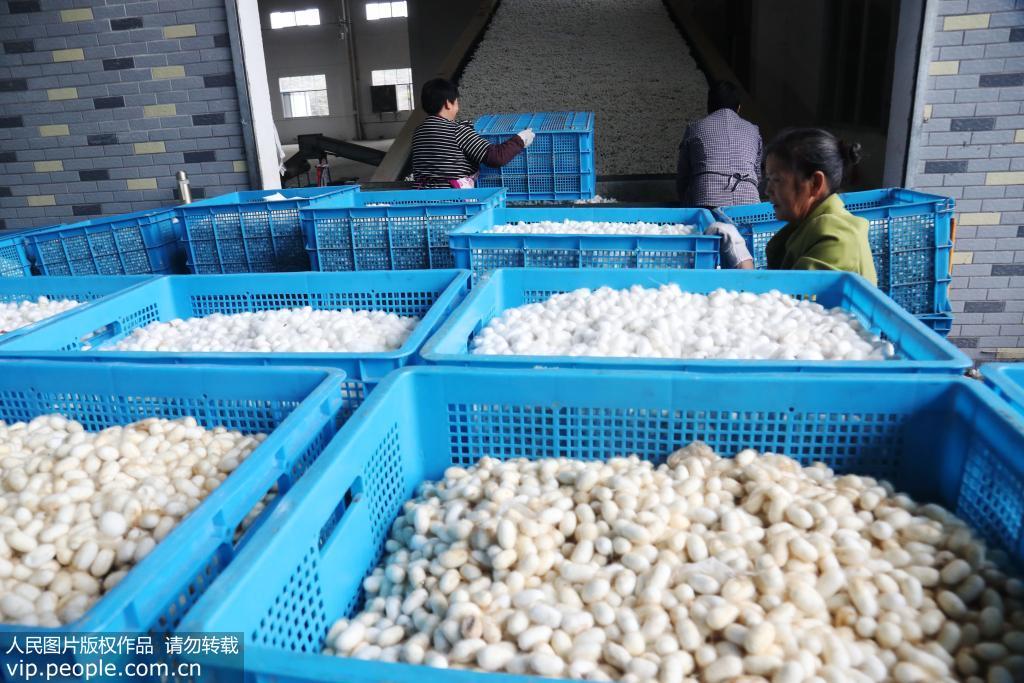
(632, 188)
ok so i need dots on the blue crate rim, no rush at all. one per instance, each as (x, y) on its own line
(470, 230)
(223, 201)
(999, 376)
(587, 121)
(584, 240)
(141, 218)
(407, 199)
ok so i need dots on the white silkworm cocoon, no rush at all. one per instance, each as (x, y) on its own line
(15, 315)
(710, 567)
(290, 330)
(666, 322)
(571, 227)
(79, 509)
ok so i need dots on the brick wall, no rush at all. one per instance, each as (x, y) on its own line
(102, 103)
(971, 147)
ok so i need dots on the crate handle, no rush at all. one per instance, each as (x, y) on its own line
(342, 512)
(952, 242)
(100, 335)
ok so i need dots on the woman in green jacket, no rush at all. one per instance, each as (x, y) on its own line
(804, 168)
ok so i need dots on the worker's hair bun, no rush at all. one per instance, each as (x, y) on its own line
(851, 152)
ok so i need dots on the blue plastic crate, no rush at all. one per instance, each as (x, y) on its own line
(941, 440)
(242, 232)
(390, 230)
(431, 295)
(479, 250)
(1007, 380)
(83, 289)
(558, 166)
(917, 347)
(138, 243)
(14, 261)
(300, 407)
(910, 234)
(940, 323)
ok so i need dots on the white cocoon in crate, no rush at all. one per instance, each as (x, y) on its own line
(79, 509)
(702, 569)
(669, 323)
(292, 330)
(570, 227)
(14, 315)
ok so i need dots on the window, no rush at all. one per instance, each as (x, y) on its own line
(385, 10)
(309, 17)
(401, 79)
(304, 96)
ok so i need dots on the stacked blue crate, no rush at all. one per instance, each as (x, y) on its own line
(911, 237)
(558, 166)
(252, 231)
(390, 230)
(14, 261)
(477, 248)
(144, 242)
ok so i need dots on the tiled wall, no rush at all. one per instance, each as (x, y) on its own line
(102, 103)
(971, 148)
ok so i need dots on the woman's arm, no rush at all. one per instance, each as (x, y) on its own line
(732, 247)
(499, 155)
(478, 150)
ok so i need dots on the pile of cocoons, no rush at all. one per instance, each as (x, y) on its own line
(79, 509)
(669, 323)
(708, 569)
(289, 330)
(15, 315)
(597, 199)
(603, 56)
(570, 227)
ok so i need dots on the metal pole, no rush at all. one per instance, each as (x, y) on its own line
(183, 188)
(349, 36)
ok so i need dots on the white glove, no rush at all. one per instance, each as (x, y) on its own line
(734, 249)
(526, 136)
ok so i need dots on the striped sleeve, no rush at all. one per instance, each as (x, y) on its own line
(471, 144)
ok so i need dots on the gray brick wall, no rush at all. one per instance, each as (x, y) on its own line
(971, 148)
(101, 103)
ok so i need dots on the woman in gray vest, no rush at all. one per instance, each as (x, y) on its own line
(720, 155)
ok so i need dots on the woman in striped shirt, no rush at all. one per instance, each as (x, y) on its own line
(447, 153)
